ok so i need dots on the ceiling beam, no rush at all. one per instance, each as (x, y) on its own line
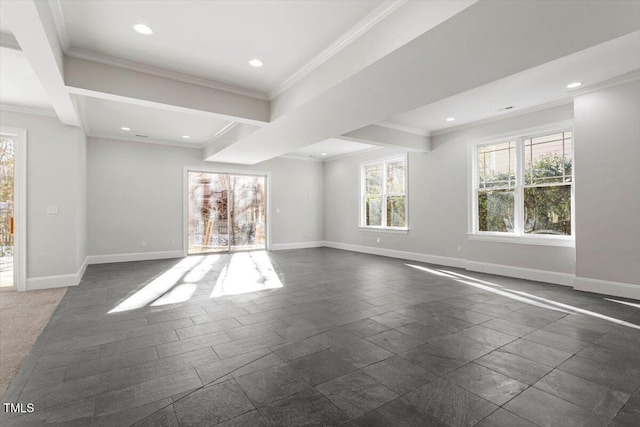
(9, 41)
(386, 137)
(483, 43)
(34, 29)
(98, 80)
(230, 135)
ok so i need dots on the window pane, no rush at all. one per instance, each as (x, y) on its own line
(497, 165)
(496, 210)
(373, 211)
(395, 177)
(373, 179)
(548, 210)
(548, 159)
(395, 211)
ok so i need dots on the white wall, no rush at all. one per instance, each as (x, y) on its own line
(136, 190)
(607, 132)
(438, 203)
(55, 176)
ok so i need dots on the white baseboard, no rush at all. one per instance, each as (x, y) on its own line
(622, 290)
(58, 281)
(83, 268)
(413, 256)
(297, 245)
(564, 279)
(137, 256)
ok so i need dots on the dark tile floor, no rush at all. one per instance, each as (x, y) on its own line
(328, 337)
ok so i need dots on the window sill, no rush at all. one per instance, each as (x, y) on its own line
(385, 230)
(560, 241)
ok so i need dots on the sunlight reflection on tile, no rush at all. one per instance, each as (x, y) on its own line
(246, 272)
(158, 287)
(428, 270)
(582, 311)
(527, 297)
(472, 278)
(180, 293)
(623, 302)
(507, 293)
(198, 272)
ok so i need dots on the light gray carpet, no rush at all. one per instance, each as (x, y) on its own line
(23, 316)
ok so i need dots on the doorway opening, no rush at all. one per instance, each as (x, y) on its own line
(226, 212)
(7, 216)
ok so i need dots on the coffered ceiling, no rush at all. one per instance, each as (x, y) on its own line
(336, 76)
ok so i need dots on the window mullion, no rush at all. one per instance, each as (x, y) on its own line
(519, 189)
(384, 195)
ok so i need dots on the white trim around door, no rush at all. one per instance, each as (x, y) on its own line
(19, 206)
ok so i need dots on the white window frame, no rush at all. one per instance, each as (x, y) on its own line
(517, 236)
(384, 227)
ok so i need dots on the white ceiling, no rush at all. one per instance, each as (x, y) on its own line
(536, 86)
(19, 85)
(214, 40)
(106, 118)
(4, 25)
(333, 148)
(403, 65)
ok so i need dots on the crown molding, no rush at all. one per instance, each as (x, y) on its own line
(82, 112)
(523, 111)
(301, 157)
(331, 158)
(221, 132)
(402, 128)
(9, 41)
(160, 72)
(61, 26)
(354, 153)
(27, 110)
(193, 146)
(618, 80)
(364, 25)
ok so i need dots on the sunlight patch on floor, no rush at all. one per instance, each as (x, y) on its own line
(180, 293)
(527, 297)
(631, 304)
(246, 272)
(158, 286)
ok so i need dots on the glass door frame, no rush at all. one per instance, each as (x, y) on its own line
(19, 206)
(230, 171)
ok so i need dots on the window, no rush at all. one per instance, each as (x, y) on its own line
(523, 186)
(384, 197)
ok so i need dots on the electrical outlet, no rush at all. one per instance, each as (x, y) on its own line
(378, 240)
(459, 248)
(52, 210)
(277, 210)
(172, 242)
(143, 243)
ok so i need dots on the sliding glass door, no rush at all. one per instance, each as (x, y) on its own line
(226, 212)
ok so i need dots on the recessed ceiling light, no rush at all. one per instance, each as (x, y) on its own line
(256, 63)
(574, 85)
(143, 29)
(450, 119)
(185, 136)
(323, 154)
(125, 128)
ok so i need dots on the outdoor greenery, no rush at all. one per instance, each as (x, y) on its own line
(547, 208)
(6, 196)
(384, 184)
